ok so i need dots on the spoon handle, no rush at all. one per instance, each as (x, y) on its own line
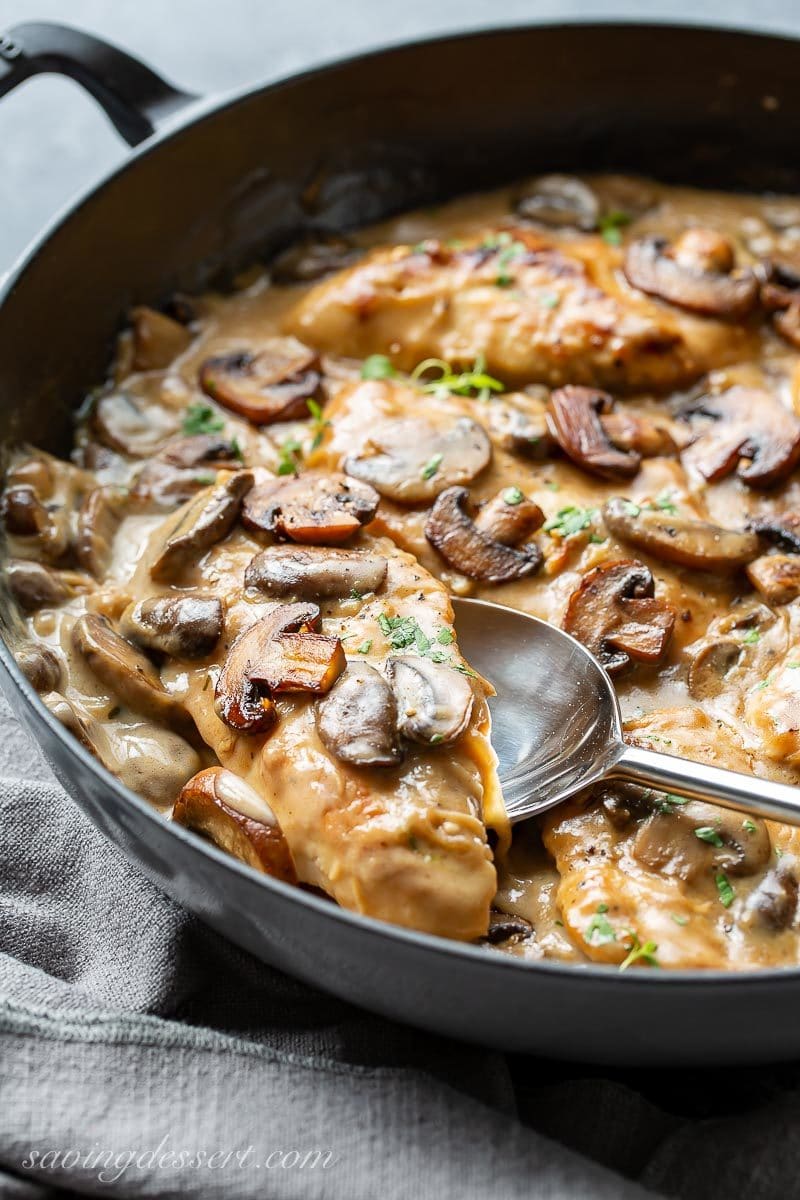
(730, 789)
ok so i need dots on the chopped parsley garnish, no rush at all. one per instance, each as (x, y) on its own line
(646, 952)
(291, 451)
(552, 485)
(707, 833)
(436, 739)
(725, 891)
(751, 637)
(462, 670)
(508, 253)
(678, 919)
(611, 226)
(569, 521)
(448, 382)
(513, 496)
(236, 449)
(365, 647)
(669, 802)
(202, 418)
(445, 637)
(432, 466)
(318, 423)
(377, 366)
(631, 509)
(749, 826)
(549, 300)
(600, 930)
(665, 503)
(793, 666)
(205, 478)
(404, 632)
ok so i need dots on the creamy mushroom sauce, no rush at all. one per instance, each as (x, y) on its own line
(531, 295)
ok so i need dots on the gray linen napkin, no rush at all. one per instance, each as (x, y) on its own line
(142, 1055)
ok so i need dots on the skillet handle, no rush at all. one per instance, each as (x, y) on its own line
(134, 98)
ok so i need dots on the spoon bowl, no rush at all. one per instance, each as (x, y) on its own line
(557, 728)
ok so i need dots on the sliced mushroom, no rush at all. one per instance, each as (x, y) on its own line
(98, 521)
(505, 929)
(157, 339)
(518, 423)
(558, 201)
(635, 433)
(751, 433)
(80, 724)
(710, 664)
(697, 272)
(615, 615)
(676, 539)
(469, 550)
(434, 702)
(509, 517)
(780, 529)
(312, 572)
(133, 425)
(357, 720)
(300, 662)
(773, 904)
(780, 295)
(128, 674)
(42, 666)
(35, 586)
(696, 837)
(180, 626)
(241, 700)
(776, 577)
(200, 525)
(229, 812)
(574, 418)
(314, 509)
(274, 384)
(411, 461)
(45, 526)
(312, 258)
(184, 466)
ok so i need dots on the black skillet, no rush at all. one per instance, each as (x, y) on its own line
(214, 185)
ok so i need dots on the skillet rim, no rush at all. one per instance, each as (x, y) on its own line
(194, 113)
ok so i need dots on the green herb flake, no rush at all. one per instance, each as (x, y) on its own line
(202, 418)
(645, 953)
(432, 466)
(793, 666)
(725, 891)
(552, 485)
(678, 919)
(569, 521)
(513, 496)
(707, 833)
(205, 478)
(665, 503)
(445, 637)
(318, 423)
(365, 647)
(611, 226)
(449, 382)
(631, 509)
(669, 802)
(291, 451)
(236, 450)
(749, 826)
(751, 637)
(377, 366)
(599, 931)
(549, 299)
(436, 739)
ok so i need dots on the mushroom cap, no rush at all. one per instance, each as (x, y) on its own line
(132, 424)
(669, 842)
(273, 384)
(466, 548)
(98, 520)
(34, 585)
(311, 508)
(157, 339)
(200, 525)
(689, 542)
(221, 806)
(695, 272)
(182, 467)
(616, 616)
(412, 461)
(184, 627)
(357, 720)
(312, 572)
(574, 418)
(434, 701)
(776, 577)
(751, 433)
(558, 201)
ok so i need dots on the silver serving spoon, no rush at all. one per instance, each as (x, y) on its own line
(556, 724)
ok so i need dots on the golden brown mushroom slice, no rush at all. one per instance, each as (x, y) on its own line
(780, 296)
(465, 546)
(184, 466)
(311, 508)
(615, 614)
(128, 674)
(776, 577)
(315, 572)
(205, 521)
(279, 653)
(184, 627)
(750, 432)
(575, 421)
(231, 814)
(689, 542)
(274, 384)
(412, 461)
(696, 272)
(686, 840)
(156, 338)
(132, 424)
